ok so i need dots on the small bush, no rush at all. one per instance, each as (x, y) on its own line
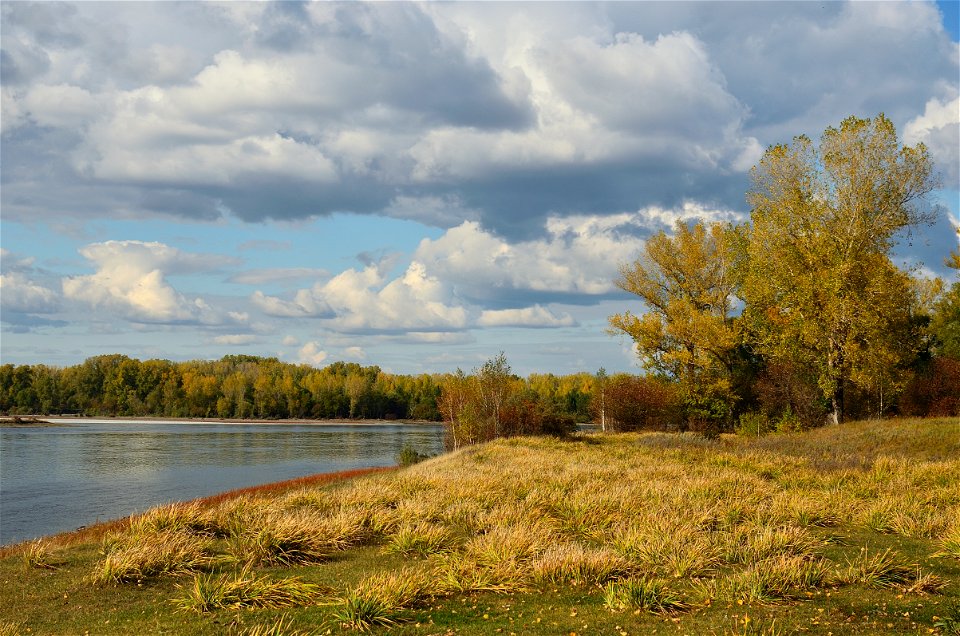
(754, 424)
(408, 456)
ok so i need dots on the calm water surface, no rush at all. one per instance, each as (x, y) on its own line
(58, 478)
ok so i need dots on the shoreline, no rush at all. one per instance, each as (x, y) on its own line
(60, 420)
(97, 530)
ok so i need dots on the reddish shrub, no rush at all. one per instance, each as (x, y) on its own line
(642, 402)
(934, 391)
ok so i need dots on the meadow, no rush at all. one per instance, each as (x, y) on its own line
(851, 529)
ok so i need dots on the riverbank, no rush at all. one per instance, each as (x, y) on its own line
(79, 472)
(25, 420)
(66, 419)
(844, 530)
(97, 531)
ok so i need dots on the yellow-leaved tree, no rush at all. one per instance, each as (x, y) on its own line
(687, 331)
(820, 288)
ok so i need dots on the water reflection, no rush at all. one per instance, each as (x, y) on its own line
(57, 478)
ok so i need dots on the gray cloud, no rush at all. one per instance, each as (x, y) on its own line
(506, 114)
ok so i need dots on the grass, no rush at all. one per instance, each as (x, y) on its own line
(842, 530)
(245, 589)
(650, 595)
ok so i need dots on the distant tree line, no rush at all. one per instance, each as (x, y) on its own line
(236, 386)
(241, 386)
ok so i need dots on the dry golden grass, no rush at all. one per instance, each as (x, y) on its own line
(644, 516)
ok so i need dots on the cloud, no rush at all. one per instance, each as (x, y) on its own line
(939, 129)
(355, 353)
(535, 316)
(305, 304)
(235, 339)
(60, 105)
(131, 279)
(21, 295)
(577, 259)
(311, 354)
(506, 115)
(290, 341)
(365, 301)
(276, 275)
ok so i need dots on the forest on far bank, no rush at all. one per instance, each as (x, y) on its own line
(243, 386)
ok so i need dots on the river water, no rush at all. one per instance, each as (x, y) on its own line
(57, 478)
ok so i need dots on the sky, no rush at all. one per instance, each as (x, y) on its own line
(415, 186)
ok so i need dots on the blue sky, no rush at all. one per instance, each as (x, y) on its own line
(417, 186)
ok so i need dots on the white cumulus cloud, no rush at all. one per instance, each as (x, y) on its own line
(535, 316)
(19, 293)
(312, 354)
(130, 278)
(939, 129)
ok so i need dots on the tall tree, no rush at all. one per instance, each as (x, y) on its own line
(687, 283)
(945, 321)
(820, 288)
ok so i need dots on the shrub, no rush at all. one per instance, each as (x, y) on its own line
(642, 403)
(786, 388)
(754, 424)
(408, 456)
(934, 391)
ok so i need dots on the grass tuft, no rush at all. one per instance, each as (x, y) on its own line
(949, 622)
(879, 569)
(575, 564)
(38, 555)
(136, 557)
(776, 579)
(422, 540)
(649, 595)
(364, 614)
(280, 627)
(211, 592)
(950, 543)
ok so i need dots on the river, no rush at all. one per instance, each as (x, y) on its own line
(57, 478)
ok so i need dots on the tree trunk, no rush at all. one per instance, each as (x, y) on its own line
(836, 405)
